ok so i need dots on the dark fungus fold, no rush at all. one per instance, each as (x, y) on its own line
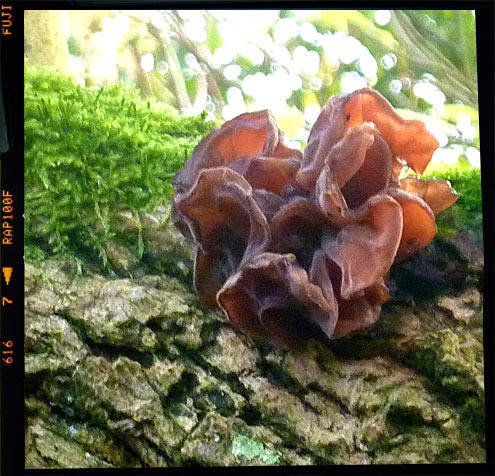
(248, 135)
(292, 245)
(270, 173)
(365, 248)
(357, 168)
(373, 175)
(270, 203)
(362, 310)
(358, 311)
(328, 129)
(330, 199)
(271, 298)
(298, 228)
(225, 222)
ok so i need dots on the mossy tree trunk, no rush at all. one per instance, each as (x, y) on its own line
(135, 373)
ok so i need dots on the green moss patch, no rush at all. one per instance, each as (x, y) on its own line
(467, 211)
(453, 361)
(453, 364)
(90, 153)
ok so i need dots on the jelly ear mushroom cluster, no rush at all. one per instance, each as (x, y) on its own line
(290, 245)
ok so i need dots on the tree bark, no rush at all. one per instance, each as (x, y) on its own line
(135, 373)
(45, 39)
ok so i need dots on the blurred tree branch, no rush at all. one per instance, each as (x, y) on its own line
(207, 79)
(166, 50)
(214, 76)
(424, 56)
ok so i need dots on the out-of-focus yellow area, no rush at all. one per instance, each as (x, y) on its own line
(226, 62)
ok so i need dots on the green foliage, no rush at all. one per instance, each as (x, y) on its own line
(90, 153)
(214, 38)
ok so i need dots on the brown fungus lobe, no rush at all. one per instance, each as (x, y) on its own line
(365, 248)
(438, 194)
(271, 298)
(226, 223)
(248, 135)
(290, 245)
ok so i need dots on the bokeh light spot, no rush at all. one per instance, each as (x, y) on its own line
(147, 62)
(389, 61)
(352, 81)
(473, 156)
(383, 17)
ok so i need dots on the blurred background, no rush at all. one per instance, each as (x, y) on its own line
(224, 62)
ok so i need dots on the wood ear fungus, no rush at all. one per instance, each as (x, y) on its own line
(291, 245)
